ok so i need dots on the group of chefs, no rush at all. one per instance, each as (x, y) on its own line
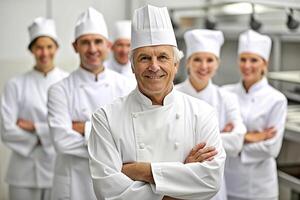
(120, 129)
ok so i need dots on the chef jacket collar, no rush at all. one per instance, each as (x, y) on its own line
(147, 102)
(42, 74)
(256, 86)
(121, 68)
(87, 76)
(203, 94)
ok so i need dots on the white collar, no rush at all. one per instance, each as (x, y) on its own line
(203, 94)
(87, 76)
(169, 98)
(256, 86)
(123, 69)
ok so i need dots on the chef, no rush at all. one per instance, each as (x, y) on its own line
(72, 101)
(120, 49)
(24, 127)
(150, 144)
(203, 59)
(253, 174)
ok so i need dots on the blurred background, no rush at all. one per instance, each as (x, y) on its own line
(279, 19)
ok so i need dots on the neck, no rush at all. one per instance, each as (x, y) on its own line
(44, 69)
(199, 86)
(158, 99)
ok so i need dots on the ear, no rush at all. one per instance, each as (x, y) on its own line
(176, 65)
(74, 44)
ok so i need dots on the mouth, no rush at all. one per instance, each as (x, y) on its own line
(154, 76)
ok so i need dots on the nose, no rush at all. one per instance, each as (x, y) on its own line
(203, 65)
(92, 48)
(154, 66)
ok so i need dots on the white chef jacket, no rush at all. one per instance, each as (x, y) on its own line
(133, 130)
(25, 96)
(122, 69)
(228, 110)
(75, 99)
(253, 174)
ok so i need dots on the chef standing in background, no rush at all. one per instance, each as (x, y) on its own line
(203, 59)
(253, 174)
(73, 100)
(24, 127)
(121, 37)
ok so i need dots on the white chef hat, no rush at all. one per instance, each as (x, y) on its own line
(122, 29)
(151, 26)
(253, 42)
(90, 22)
(42, 27)
(203, 40)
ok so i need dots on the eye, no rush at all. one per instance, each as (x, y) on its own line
(243, 60)
(254, 60)
(163, 58)
(99, 41)
(144, 58)
(210, 60)
(197, 59)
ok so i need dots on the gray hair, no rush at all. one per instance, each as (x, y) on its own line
(178, 55)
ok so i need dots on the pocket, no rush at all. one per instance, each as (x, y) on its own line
(61, 188)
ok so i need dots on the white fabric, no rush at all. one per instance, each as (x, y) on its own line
(42, 27)
(254, 174)
(90, 22)
(228, 109)
(254, 42)
(125, 70)
(131, 129)
(25, 97)
(21, 193)
(151, 26)
(75, 99)
(203, 40)
(122, 30)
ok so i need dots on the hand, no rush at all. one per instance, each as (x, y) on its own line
(201, 153)
(266, 134)
(78, 127)
(228, 128)
(26, 125)
(138, 171)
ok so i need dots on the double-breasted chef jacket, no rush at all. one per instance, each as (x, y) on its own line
(25, 97)
(253, 174)
(75, 99)
(133, 130)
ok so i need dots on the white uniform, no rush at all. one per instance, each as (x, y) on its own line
(253, 174)
(25, 96)
(132, 129)
(228, 109)
(75, 99)
(122, 69)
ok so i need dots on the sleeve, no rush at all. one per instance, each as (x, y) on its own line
(65, 139)
(42, 130)
(14, 137)
(196, 181)
(234, 140)
(106, 165)
(257, 152)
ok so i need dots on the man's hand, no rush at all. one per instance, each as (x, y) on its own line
(78, 126)
(228, 128)
(266, 134)
(201, 153)
(138, 171)
(26, 125)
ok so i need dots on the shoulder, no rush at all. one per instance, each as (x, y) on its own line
(275, 94)
(231, 87)
(180, 86)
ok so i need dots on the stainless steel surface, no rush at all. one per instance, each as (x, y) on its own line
(287, 76)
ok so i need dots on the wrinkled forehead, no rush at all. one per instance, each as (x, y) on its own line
(154, 50)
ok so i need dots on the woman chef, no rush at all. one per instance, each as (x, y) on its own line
(24, 118)
(253, 174)
(203, 58)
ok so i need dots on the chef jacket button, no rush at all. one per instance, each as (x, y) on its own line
(177, 116)
(253, 100)
(142, 145)
(84, 109)
(176, 145)
(81, 86)
(134, 115)
(106, 85)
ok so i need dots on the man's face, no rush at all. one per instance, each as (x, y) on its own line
(121, 48)
(44, 49)
(155, 69)
(92, 49)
